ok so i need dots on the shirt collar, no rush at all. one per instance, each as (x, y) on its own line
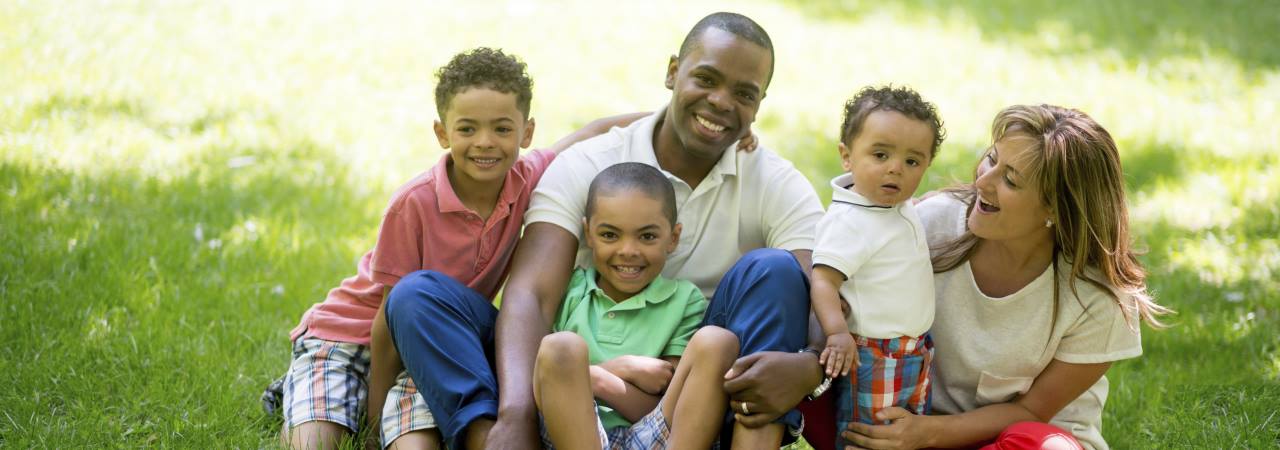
(447, 199)
(842, 192)
(658, 291)
(641, 148)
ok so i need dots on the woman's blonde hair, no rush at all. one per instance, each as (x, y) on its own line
(1074, 163)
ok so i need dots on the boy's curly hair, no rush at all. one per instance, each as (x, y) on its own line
(486, 68)
(888, 98)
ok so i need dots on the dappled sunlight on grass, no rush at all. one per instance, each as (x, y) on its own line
(1218, 261)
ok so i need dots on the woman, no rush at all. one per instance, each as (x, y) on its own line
(1038, 292)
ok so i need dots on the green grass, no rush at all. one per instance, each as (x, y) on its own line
(180, 180)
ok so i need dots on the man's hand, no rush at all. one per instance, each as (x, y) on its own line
(513, 434)
(651, 375)
(770, 383)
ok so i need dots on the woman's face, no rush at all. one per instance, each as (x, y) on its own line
(1008, 206)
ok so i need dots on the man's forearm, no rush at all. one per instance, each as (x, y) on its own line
(520, 329)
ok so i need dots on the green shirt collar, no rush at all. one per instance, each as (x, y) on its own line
(658, 291)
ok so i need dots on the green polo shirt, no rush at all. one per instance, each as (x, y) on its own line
(656, 322)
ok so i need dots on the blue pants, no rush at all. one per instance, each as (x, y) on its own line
(764, 300)
(444, 332)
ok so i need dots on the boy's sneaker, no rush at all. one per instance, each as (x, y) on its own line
(273, 397)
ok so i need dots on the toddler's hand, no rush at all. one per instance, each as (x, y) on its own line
(840, 354)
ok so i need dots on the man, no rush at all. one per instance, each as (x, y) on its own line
(749, 219)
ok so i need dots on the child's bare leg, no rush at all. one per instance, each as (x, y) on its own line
(418, 439)
(561, 372)
(316, 434)
(766, 437)
(695, 401)
(478, 432)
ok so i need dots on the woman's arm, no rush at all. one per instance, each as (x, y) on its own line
(1057, 386)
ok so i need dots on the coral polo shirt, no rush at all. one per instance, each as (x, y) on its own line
(426, 227)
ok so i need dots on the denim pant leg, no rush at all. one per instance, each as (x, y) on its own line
(444, 333)
(764, 300)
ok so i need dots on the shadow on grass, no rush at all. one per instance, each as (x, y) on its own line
(150, 312)
(1140, 30)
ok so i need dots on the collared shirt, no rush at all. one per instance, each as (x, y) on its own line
(426, 226)
(749, 200)
(655, 322)
(883, 254)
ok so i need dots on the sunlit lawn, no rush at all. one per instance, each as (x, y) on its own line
(180, 180)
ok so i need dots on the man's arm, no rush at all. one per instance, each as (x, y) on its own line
(540, 270)
(596, 128)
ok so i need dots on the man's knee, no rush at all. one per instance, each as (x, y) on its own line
(713, 342)
(771, 258)
(419, 292)
(560, 352)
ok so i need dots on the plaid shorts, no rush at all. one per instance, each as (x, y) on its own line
(328, 381)
(894, 372)
(404, 411)
(649, 433)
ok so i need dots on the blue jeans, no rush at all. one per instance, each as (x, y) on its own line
(764, 300)
(444, 333)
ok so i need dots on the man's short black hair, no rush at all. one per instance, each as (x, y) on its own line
(738, 24)
(888, 98)
(633, 176)
(487, 68)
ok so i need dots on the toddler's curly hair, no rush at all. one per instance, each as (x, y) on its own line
(486, 68)
(888, 98)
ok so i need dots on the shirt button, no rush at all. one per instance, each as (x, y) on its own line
(611, 315)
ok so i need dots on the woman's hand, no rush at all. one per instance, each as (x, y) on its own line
(907, 431)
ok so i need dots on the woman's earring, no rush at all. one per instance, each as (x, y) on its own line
(1048, 223)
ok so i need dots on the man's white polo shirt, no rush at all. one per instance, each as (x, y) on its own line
(749, 200)
(882, 252)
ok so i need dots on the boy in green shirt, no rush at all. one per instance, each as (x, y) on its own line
(622, 330)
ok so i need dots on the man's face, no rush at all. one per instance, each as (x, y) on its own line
(716, 91)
